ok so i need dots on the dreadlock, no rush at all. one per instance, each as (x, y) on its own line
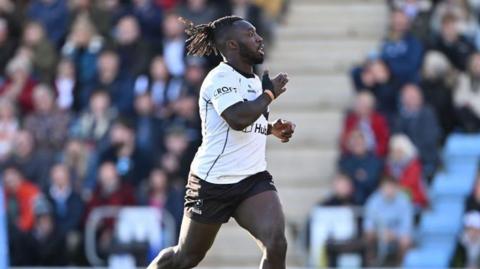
(203, 38)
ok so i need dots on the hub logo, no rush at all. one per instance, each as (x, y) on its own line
(256, 128)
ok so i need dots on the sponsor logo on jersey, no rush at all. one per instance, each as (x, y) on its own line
(256, 128)
(223, 90)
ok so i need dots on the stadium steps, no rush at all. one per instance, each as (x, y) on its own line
(317, 46)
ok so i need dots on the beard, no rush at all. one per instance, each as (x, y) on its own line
(251, 56)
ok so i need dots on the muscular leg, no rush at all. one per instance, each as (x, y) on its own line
(262, 216)
(195, 240)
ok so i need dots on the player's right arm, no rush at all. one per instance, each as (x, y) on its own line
(242, 114)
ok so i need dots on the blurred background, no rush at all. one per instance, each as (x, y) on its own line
(99, 124)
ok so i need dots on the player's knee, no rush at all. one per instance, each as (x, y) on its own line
(276, 246)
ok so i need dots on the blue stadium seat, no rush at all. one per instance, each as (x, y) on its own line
(428, 257)
(459, 183)
(447, 220)
(463, 145)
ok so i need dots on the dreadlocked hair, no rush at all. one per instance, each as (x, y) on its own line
(201, 38)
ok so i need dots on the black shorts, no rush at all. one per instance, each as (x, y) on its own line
(206, 202)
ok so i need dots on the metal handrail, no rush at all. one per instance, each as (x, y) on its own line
(100, 213)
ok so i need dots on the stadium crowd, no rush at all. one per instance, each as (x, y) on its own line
(98, 107)
(417, 87)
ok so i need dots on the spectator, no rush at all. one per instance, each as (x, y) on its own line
(174, 44)
(149, 17)
(93, 124)
(362, 166)
(418, 12)
(401, 51)
(470, 238)
(83, 46)
(66, 86)
(19, 83)
(198, 11)
(133, 165)
(438, 82)
(48, 125)
(53, 14)
(77, 157)
(388, 225)
(467, 97)
(133, 52)
(375, 77)
(404, 166)
(20, 197)
(109, 192)
(161, 85)
(67, 206)
(149, 129)
(161, 195)
(45, 244)
(44, 56)
(34, 164)
(254, 14)
(194, 74)
(7, 45)
(370, 123)
(467, 20)
(177, 144)
(118, 85)
(8, 128)
(419, 122)
(472, 202)
(343, 192)
(101, 17)
(453, 44)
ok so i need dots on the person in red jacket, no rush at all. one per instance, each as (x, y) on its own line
(404, 165)
(20, 196)
(372, 124)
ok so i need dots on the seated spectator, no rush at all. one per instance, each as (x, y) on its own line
(47, 124)
(34, 164)
(20, 196)
(19, 83)
(118, 85)
(453, 44)
(149, 17)
(362, 166)
(418, 121)
(418, 12)
(53, 14)
(66, 86)
(401, 51)
(470, 238)
(109, 192)
(472, 203)
(438, 82)
(92, 125)
(174, 44)
(370, 123)
(464, 13)
(77, 157)
(198, 11)
(9, 126)
(83, 46)
(161, 195)
(134, 53)
(178, 147)
(8, 45)
(67, 206)
(149, 129)
(161, 85)
(44, 56)
(375, 77)
(343, 192)
(194, 75)
(133, 165)
(388, 225)
(404, 166)
(97, 11)
(467, 97)
(185, 115)
(45, 244)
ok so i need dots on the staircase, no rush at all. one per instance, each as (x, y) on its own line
(317, 46)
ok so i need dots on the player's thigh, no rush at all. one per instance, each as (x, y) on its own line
(196, 238)
(262, 216)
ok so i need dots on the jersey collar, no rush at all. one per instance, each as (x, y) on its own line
(247, 75)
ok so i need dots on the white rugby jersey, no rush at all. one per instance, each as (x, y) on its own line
(227, 156)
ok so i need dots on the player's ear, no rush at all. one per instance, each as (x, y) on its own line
(232, 44)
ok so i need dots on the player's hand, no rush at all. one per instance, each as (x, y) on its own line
(283, 130)
(276, 85)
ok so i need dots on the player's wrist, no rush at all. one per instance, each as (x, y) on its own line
(270, 94)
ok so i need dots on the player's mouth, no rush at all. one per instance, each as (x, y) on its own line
(261, 49)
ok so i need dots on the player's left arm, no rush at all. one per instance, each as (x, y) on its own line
(282, 129)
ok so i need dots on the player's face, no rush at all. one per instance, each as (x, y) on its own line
(251, 46)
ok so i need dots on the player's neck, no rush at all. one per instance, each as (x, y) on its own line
(240, 66)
